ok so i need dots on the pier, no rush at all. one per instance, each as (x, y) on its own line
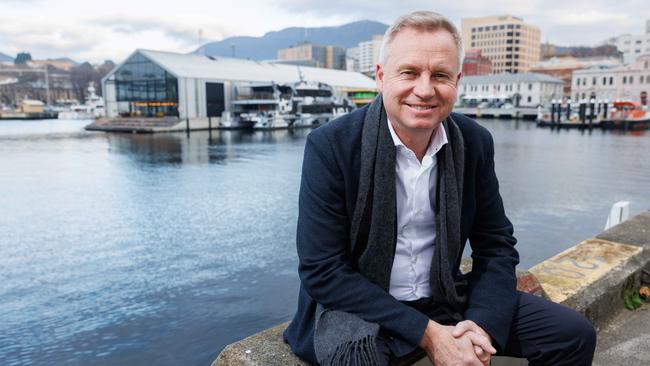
(590, 277)
(513, 113)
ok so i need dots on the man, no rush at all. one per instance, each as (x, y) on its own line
(389, 195)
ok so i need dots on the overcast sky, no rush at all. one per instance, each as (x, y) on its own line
(98, 30)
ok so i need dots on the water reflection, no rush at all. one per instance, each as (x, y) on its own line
(199, 147)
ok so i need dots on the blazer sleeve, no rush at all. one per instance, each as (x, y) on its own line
(322, 239)
(493, 281)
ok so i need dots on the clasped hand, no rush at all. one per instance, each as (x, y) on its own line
(464, 344)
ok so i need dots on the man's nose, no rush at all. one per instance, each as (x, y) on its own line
(424, 87)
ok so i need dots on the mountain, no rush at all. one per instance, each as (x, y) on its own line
(266, 47)
(4, 57)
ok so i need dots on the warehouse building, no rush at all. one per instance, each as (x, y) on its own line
(197, 87)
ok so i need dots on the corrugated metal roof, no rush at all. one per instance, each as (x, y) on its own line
(224, 68)
(528, 77)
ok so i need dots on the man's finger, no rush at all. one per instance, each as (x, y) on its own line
(481, 341)
(463, 327)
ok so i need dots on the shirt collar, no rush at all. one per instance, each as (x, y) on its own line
(438, 139)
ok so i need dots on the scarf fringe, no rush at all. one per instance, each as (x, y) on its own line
(359, 352)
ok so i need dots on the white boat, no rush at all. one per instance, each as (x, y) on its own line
(92, 108)
(273, 106)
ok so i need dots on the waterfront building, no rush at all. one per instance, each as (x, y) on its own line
(563, 67)
(155, 83)
(475, 63)
(352, 59)
(626, 82)
(369, 55)
(512, 45)
(307, 54)
(522, 90)
(633, 46)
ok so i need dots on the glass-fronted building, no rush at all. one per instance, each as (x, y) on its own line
(143, 88)
(190, 86)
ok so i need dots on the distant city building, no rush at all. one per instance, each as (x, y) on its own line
(613, 83)
(512, 45)
(369, 55)
(307, 54)
(523, 90)
(24, 81)
(563, 67)
(155, 83)
(22, 58)
(633, 46)
(352, 59)
(476, 64)
(59, 64)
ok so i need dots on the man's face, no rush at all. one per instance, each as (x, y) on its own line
(418, 80)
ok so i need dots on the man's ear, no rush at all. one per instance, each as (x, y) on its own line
(379, 77)
(460, 75)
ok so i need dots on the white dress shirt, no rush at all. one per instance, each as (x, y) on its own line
(415, 184)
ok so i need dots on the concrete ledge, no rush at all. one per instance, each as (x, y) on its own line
(589, 277)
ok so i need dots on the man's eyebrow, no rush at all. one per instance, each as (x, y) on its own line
(406, 65)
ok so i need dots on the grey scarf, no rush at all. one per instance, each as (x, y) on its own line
(341, 338)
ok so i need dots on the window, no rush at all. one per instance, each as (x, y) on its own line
(611, 80)
(530, 99)
(593, 81)
(604, 80)
(631, 79)
(624, 80)
(530, 86)
(152, 89)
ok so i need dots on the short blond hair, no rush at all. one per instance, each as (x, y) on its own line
(425, 21)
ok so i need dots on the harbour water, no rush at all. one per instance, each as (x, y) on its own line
(161, 249)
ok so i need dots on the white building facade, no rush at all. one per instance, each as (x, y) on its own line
(613, 83)
(522, 90)
(369, 55)
(633, 46)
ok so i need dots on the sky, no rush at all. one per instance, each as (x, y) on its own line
(99, 30)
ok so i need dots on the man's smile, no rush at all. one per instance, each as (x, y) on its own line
(421, 107)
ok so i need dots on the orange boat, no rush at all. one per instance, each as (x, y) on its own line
(628, 115)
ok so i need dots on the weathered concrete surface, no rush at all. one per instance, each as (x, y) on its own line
(565, 274)
(261, 349)
(626, 340)
(635, 231)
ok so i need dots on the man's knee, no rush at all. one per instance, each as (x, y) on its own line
(583, 331)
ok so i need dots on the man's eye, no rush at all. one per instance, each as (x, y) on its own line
(406, 72)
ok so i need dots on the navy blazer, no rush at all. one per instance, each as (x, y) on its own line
(328, 193)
